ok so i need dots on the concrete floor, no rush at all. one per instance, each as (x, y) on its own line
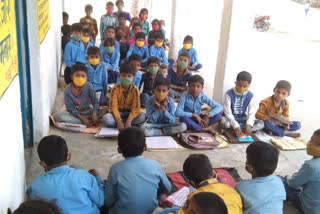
(91, 152)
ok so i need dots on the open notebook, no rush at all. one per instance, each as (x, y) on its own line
(107, 132)
(162, 143)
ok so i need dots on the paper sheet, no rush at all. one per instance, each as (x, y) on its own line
(163, 142)
(179, 198)
(108, 132)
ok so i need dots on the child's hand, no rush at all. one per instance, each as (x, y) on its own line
(128, 123)
(285, 127)
(164, 104)
(238, 131)
(247, 130)
(205, 121)
(197, 117)
(95, 119)
(120, 124)
(93, 172)
(107, 67)
(277, 122)
(155, 101)
(87, 122)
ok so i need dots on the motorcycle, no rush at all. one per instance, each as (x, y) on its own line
(262, 23)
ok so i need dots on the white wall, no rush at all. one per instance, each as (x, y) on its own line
(45, 65)
(11, 154)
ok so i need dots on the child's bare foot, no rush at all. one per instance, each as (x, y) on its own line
(292, 134)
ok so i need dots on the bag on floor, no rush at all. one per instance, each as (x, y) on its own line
(198, 141)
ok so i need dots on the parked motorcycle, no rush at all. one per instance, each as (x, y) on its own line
(262, 23)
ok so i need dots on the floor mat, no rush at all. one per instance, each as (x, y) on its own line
(288, 143)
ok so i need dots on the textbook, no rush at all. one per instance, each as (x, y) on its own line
(282, 119)
(162, 143)
(108, 132)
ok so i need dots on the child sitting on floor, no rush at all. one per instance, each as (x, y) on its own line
(189, 107)
(97, 75)
(133, 21)
(86, 39)
(66, 35)
(122, 24)
(139, 48)
(239, 107)
(111, 57)
(188, 47)
(160, 112)
(155, 30)
(149, 78)
(278, 105)
(303, 187)
(78, 96)
(124, 102)
(198, 170)
(157, 50)
(178, 75)
(37, 206)
(110, 33)
(133, 184)
(263, 193)
(75, 190)
(135, 60)
(136, 28)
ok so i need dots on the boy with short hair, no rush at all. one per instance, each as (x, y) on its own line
(160, 112)
(120, 6)
(157, 50)
(75, 190)
(136, 28)
(139, 48)
(149, 78)
(189, 107)
(97, 75)
(264, 193)
(239, 107)
(66, 35)
(78, 95)
(37, 206)
(135, 60)
(122, 23)
(198, 170)
(155, 30)
(133, 184)
(111, 57)
(65, 18)
(107, 20)
(93, 27)
(188, 47)
(307, 180)
(74, 51)
(110, 33)
(86, 39)
(124, 102)
(278, 105)
(178, 75)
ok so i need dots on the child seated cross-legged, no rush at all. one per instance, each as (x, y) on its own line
(111, 57)
(178, 75)
(160, 112)
(189, 106)
(135, 60)
(188, 48)
(278, 105)
(149, 78)
(157, 50)
(78, 96)
(303, 187)
(124, 102)
(110, 33)
(264, 193)
(198, 170)
(97, 74)
(133, 184)
(75, 190)
(239, 107)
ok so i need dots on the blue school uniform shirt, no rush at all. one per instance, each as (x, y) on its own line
(105, 21)
(133, 184)
(74, 53)
(193, 55)
(262, 195)
(90, 44)
(116, 49)
(137, 79)
(308, 178)
(113, 61)
(75, 190)
(143, 52)
(175, 80)
(188, 105)
(98, 77)
(160, 53)
(156, 117)
(128, 17)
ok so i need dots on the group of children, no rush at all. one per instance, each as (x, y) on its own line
(135, 184)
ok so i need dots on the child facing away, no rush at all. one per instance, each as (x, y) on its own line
(278, 105)
(97, 75)
(75, 190)
(133, 184)
(93, 27)
(110, 33)
(264, 193)
(78, 96)
(160, 112)
(155, 30)
(149, 78)
(303, 187)
(157, 50)
(66, 35)
(143, 15)
(124, 102)
(74, 51)
(135, 60)
(178, 75)
(86, 39)
(111, 57)
(136, 28)
(198, 169)
(239, 107)
(139, 48)
(120, 6)
(107, 20)
(189, 107)
(188, 47)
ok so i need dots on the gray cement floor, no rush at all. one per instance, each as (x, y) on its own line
(91, 152)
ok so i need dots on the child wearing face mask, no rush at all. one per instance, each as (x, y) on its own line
(79, 95)
(155, 30)
(139, 48)
(157, 50)
(107, 20)
(160, 112)
(120, 6)
(111, 57)
(143, 15)
(86, 39)
(132, 38)
(188, 47)
(239, 107)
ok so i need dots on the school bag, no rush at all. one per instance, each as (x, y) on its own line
(199, 141)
